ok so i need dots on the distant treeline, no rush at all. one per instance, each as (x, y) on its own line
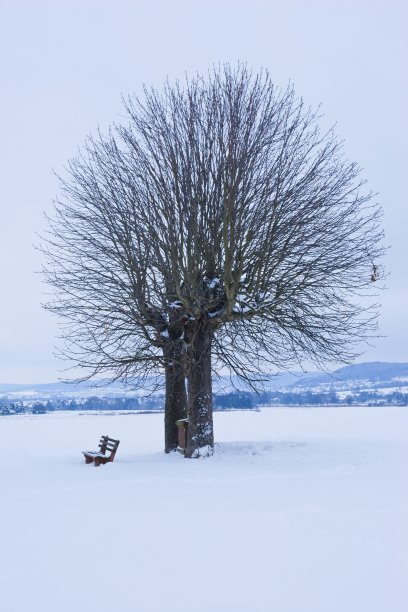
(237, 400)
(308, 398)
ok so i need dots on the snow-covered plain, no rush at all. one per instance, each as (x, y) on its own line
(300, 510)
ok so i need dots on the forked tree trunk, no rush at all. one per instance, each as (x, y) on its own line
(176, 398)
(200, 433)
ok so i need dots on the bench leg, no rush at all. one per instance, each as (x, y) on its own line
(97, 461)
(88, 459)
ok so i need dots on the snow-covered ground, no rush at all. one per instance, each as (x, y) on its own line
(300, 510)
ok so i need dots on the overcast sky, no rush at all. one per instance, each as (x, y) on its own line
(65, 64)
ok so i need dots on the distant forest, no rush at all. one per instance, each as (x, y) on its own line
(237, 400)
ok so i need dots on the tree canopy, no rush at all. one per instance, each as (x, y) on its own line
(218, 227)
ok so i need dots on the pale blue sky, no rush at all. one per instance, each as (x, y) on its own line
(65, 64)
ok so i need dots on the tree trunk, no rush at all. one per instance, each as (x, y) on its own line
(176, 398)
(200, 433)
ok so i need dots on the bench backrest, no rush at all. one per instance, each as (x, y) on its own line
(107, 444)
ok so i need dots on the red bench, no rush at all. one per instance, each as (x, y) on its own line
(106, 445)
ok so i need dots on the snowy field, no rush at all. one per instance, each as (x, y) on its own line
(300, 510)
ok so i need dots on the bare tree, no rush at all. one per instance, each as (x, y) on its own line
(219, 227)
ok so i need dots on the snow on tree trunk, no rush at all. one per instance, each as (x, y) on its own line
(200, 433)
(176, 398)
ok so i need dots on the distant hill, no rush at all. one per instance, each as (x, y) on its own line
(61, 390)
(369, 375)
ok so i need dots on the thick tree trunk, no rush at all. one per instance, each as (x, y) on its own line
(200, 433)
(176, 398)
